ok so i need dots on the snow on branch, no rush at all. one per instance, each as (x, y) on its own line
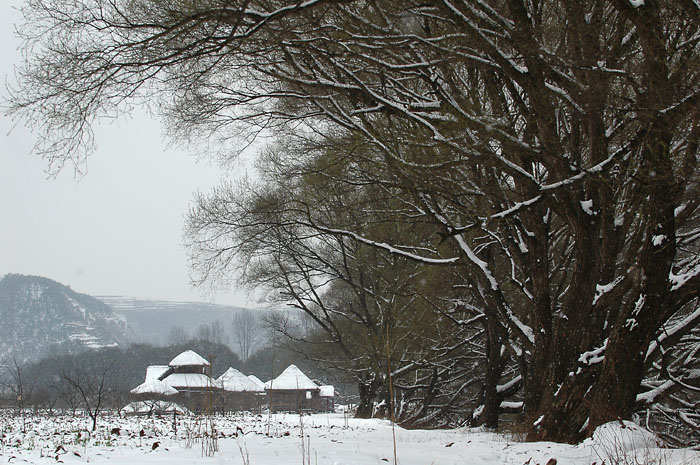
(517, 207)
(600, 291)
(387, 247)
(594, 356)
(679, 280)
(656, 392)
(673, 331)
(508, 385)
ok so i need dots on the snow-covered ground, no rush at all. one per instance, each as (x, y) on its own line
(329, 439)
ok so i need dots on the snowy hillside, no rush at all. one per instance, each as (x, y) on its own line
(152, 320)
(38, 314)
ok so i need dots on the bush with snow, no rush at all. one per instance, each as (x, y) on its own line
(626, 443)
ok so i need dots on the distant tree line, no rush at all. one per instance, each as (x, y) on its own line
(95, 381)
(245, 332)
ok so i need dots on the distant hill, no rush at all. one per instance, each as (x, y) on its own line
(152, 320)
(40, 316)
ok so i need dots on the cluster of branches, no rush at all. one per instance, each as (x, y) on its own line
(361, 302)
(541, 155)
(246, 333)
(211, 332)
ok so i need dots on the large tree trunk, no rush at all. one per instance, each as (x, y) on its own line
(368, 392)
(562, 415)
(615, 393)
(494, 368)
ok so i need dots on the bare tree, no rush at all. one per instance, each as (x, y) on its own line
(212, 332)
(20, 388)
(246, 329)
(177, 335)
(348, 294)
(68, 397)
(93, 387)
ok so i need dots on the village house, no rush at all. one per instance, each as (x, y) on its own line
(257, 381)
(327, 398)
(187, 381)
(184, 380)
(153, 399)
(239, 392)
(293, 391)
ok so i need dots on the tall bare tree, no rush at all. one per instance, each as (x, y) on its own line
(92, 386)
(246, 329)
(178, 335)
(20, 386)
(212, 332)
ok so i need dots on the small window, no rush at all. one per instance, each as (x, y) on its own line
(308, 394)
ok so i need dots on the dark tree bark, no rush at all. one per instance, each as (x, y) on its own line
(368, 393)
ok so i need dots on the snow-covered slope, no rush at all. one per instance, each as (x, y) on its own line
(39, 314)
(152, 320)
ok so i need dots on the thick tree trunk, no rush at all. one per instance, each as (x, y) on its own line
(562, 416)
(368, 392)
(489, 416)
(615, 394)
(492, 401)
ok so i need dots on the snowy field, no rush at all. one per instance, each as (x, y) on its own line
(329, 439)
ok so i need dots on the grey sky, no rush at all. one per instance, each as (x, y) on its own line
(115, 231)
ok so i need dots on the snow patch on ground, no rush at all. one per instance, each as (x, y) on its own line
(626, 442)
(625, 436)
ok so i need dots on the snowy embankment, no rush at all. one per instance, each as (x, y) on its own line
(329, 439)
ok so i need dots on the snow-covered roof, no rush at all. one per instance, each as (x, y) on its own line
(235, 381)
(160, 406)
(291, 379)
(154, 386)
(187, 359)
(327, 391)
(155, 371)
(257, 381)
(191, 380)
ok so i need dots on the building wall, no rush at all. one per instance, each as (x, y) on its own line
(241, 402)
(294, 401)
(200, 400)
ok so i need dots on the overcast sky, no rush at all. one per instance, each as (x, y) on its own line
(115, 231)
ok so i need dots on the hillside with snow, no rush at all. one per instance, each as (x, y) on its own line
(151, 320)
(40, 316)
